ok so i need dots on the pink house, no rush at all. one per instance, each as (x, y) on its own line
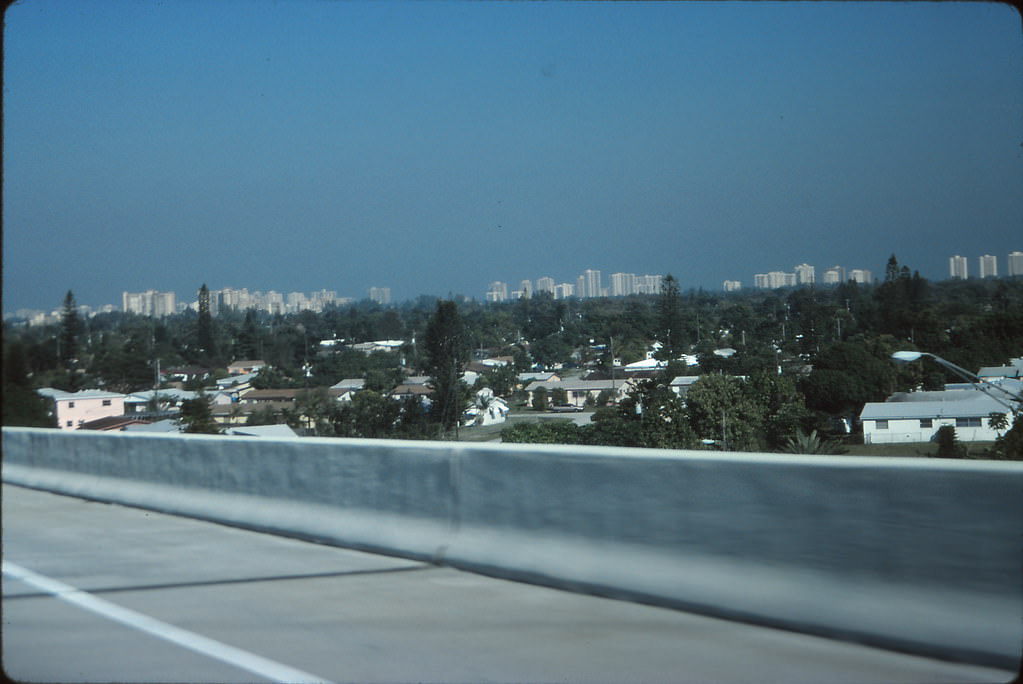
(72, 409)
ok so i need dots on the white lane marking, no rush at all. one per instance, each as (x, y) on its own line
(263, 667)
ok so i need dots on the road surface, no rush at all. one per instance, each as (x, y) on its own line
(95, 592)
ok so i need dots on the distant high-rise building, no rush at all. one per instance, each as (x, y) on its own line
(497, 291)
(774, 279)
(805, 274)
(988, 266)
(623, 284)
(149, 303)
(545, 284)
(861, 275)
(526, 286)
(380, 295)
(564, 291)
(649, 284)
(834, 275)
(957, 267)
(275, 302)
(1014, 265)
(732, 285)
(588, 284)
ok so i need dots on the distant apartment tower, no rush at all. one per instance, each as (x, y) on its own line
(622, 284)
(149, 303)
(588, 284)
(774, 279)
(275, 302)
(957, 267)
(1014, 265)
(497, 291)
(732, 286)
(805, 274)
(545, 284)
(988, 266)
(834, 275)
(526, 289)
(649, 284)
(564, 291)
(861, 275)
(380, 295)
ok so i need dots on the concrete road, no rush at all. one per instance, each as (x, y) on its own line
(102, 593)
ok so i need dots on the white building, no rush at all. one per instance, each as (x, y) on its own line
(1014, 264)
(380, 295)
(732, 286)
(861, 276)
(588, 284)
(564, 291)
(805, 274)
(545, 284)
(622, 284)
(917, 416)
(834, 275)
(497, 291)
(988, 266)
(149, 303)
(774, 279)
(958, 268)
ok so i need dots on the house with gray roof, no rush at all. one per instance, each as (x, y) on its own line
(917, 416)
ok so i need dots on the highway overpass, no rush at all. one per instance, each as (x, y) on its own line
(909, 567)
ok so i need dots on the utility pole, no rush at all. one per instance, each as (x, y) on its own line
(614, 393)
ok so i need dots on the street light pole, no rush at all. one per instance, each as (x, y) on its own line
(910, 356)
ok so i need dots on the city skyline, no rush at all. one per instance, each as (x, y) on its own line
(436, 146)
(157, 303)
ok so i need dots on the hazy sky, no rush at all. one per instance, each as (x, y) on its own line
(434, 147)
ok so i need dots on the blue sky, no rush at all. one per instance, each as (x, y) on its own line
(433, 147)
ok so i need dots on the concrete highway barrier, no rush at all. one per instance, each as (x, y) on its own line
(923, 555)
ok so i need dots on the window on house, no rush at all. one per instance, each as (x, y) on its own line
(69, 423)
(881, 424)
(926, 422)
(71, 404)
(967, 422)
(106, 402)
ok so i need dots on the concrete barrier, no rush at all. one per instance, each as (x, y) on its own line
(923, 555)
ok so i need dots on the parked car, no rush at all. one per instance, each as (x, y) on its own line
(566, 408)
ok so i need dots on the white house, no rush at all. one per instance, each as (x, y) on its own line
(169, 399)
(578, 391)
(681, 384)
(917, 416)
(487, 409)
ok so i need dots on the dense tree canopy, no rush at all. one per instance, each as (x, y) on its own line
(776, 363)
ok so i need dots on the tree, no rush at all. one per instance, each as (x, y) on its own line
(446, 349)
(669, 332)
(1009, 445)
(248, 345)
(370, 414)
(204, 336)
(802, 443)
(197, 417)
(544, 432)
(540, 399)
(726, 410)
(70, 330)
(22, 405)
(948, 443)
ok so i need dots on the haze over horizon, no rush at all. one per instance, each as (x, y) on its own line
(436, 147)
